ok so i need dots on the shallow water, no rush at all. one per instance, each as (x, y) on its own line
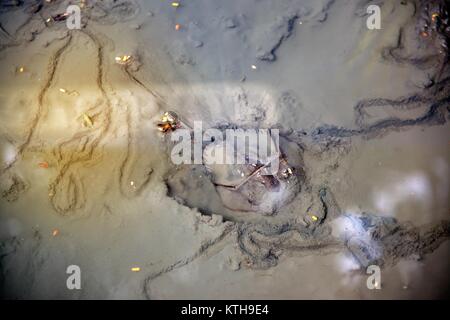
(81, 153)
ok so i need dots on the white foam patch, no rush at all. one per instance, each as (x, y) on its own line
(8, 153)
(347, 226)
(350, 270)
(416, 187)
(346, 264)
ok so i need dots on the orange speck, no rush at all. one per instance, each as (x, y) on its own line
(43, 165)
(424, 34)
(55, 232)
(177, 27)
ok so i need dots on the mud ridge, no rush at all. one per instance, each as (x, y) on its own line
(79, 149)
(130, 183)
(31, 128)
(203, 250)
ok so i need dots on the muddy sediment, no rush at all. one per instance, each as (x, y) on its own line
(109, 154)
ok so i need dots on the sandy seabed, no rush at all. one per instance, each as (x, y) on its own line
(87, 178)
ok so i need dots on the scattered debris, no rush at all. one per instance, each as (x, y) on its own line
(286, 173)
(61, 16)
(125, 59)
(87, 121)
(57, 18)
(169, 122)
(435, 23)
(69, 92)
(43, 165)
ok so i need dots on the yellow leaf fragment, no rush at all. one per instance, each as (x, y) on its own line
(87, 120)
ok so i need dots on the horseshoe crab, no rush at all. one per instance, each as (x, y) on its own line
(253, 186)
(259, 183)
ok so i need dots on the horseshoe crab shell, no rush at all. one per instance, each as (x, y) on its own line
(254, 186)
